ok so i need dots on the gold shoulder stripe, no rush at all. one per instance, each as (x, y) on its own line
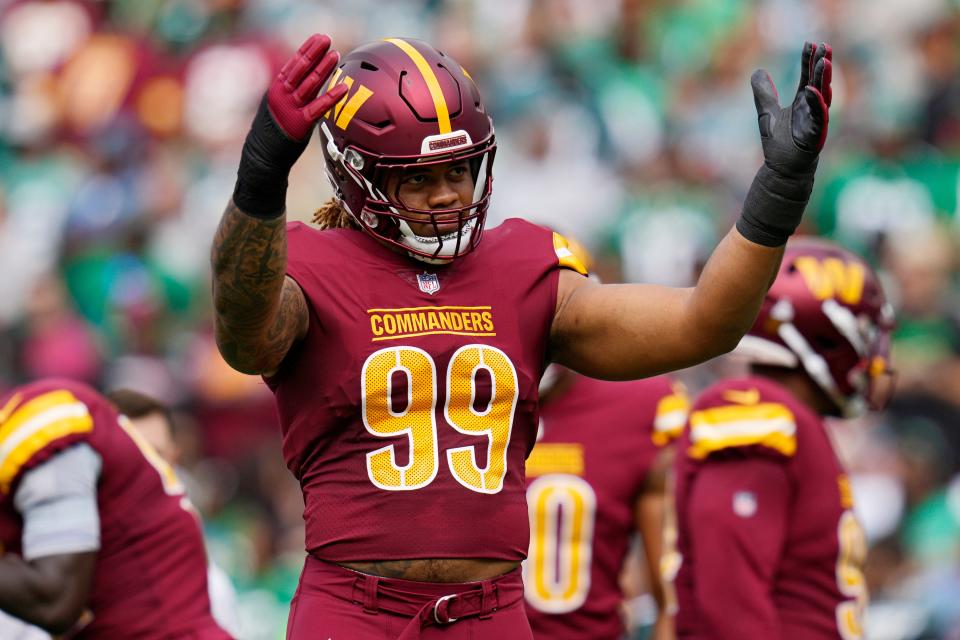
(670, 418)
(565, 255)
(555, 457)
(433, 85)
(767, 424)
(32, 408)
(35, 425)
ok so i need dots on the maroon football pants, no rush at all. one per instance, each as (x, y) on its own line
(336, 603)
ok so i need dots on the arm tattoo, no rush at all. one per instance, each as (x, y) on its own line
(259, 312)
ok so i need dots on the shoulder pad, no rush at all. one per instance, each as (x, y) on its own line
(770, 425)
(30, 426)
(671, 415)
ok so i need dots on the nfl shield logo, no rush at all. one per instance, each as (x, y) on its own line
(429, 282)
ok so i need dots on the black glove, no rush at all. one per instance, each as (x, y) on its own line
(792, 138)
(282, 126)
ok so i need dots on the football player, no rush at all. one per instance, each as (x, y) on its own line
(154, 421)
(594, 478)
(404, 352)
(97, 536)
(768, 545)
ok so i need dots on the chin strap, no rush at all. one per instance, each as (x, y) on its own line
(428, 244)
(331, 145)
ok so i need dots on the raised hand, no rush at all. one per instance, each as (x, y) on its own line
(281, 129)
(793, 136)
(292, 97)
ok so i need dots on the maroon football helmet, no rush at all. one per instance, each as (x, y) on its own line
(409, 105)
(826, 313)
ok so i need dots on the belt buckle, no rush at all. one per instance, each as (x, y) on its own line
(436, 610)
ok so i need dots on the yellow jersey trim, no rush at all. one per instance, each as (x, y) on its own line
(431, 333)
(565, 257)
(441, 308)
(555, 457)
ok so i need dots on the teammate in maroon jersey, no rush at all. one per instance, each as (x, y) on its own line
(98, 538)
(768, 546)
(405, 354)
(592, 482)
(154, 421)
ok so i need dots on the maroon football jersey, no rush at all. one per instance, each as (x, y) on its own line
(150, 579)
(768, 544)
(599, 440)
(409, 407)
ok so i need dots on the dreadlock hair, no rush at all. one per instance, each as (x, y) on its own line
(333, 215)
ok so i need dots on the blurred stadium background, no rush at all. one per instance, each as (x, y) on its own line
(626, 123)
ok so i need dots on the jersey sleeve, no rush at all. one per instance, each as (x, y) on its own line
(58, 503)
(298, 237)
(737, 516)
(570, 255)
(35, 425)
(298, 252)
(741, 422)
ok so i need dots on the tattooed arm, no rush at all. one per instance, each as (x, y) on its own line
(260, 312)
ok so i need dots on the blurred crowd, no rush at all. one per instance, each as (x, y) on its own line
(628, 124)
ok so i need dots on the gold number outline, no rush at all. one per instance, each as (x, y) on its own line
(850, 579)
(390, 448)
(548, 492)
(471, 449)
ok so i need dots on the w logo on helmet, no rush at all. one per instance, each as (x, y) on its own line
(350, 103)
(832, 278)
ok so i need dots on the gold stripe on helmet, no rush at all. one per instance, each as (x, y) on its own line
(443, 114)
